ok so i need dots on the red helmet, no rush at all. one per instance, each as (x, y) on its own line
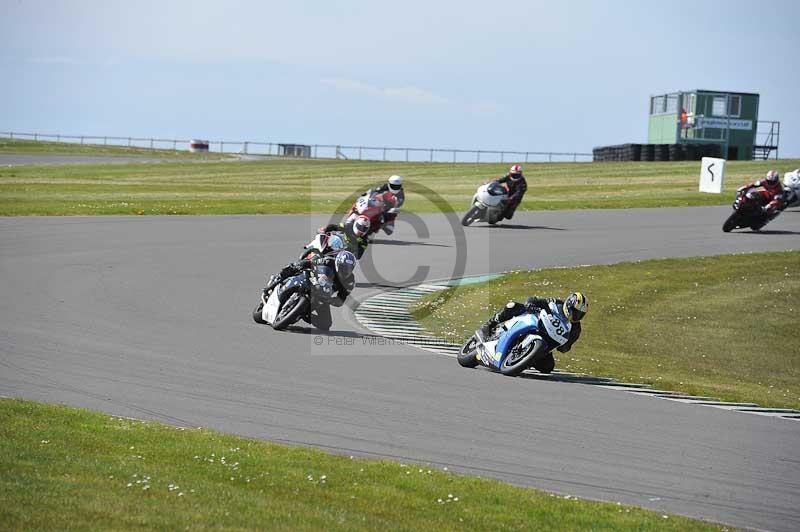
(361, 226)
(772, 181)
(515, 172)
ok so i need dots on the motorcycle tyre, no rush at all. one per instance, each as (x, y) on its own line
(257, 314)
(731, 222)
(469, 218)
(536, 351)
(468, 359)
(294, 314)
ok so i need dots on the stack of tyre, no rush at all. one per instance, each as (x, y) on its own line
(655, 152)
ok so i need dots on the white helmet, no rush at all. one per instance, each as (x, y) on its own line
(395, 183)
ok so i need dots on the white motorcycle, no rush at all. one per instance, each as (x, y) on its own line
(488, 204)
(791, 180)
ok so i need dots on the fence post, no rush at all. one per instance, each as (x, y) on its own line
(502, 156)
(431, 155)
(151, 144)
(526, 157)
(81, 140)
(174, 145)
(315, 151)
(406, 154)
(359, 153)
(129, 142)
(384, 154)
(454, 156)
(105, 141)
(58, 137)
(11, 135)
(245, 147)
(221, 147)
(479, 156)
(550, 157)
(36, 137)
(574, 157)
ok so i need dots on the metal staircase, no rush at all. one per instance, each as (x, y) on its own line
(768, 134)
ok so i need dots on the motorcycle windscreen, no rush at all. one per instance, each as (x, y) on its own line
(524, 324)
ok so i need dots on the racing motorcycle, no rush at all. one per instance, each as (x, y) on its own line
(748, 212)
(488, 204)
(791, 180)
(373, 206)
(296, 298)
(517, 344)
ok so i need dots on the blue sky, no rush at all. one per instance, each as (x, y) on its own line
(508, 74)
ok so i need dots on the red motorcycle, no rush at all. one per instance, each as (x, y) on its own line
(748, 212)
(377, 207)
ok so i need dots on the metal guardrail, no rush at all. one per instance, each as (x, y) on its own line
(318, 151)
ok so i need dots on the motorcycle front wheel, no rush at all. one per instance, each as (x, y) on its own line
(731, 222)
(519, 359)
(471, 216)
(257, 314)
(291, 311)
(467, 357)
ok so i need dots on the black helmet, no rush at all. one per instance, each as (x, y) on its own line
(575, 306)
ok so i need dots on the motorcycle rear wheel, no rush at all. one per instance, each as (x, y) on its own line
(467, 357)
(291, 311)
(516, 363)
(470, 216)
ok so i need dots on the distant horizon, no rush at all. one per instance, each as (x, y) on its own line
(521, 76)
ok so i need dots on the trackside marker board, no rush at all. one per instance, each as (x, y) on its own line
(712, 175)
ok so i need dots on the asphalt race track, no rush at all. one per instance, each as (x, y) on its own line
(150, 317)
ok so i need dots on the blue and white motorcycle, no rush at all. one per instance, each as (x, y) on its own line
(520, 343)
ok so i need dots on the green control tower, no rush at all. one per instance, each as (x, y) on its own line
(728, 119)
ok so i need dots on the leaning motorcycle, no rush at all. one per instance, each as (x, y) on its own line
(748, 212)
(518, 344)
(488, 204)
(295, 298)
(791, 180)
(373, 206)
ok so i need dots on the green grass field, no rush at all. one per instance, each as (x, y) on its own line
(721, 326)
(32, 147)
(276, 186)
(68, 469)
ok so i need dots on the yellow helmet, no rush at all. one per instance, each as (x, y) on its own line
(575, 306)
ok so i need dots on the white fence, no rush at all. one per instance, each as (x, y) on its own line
(318, 151)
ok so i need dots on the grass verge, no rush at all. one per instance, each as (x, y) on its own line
(64, 468)
(276, 186)
(722, 326)
(33, 147)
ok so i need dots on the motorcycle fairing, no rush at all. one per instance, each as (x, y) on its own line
(275, 299)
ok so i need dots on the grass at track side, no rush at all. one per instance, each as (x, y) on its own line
(280, 186)
(32, 147)
(69, 469)
(723, 326)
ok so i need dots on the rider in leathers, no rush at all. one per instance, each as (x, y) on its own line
(343, 283)
(517, 186)
(573, 309)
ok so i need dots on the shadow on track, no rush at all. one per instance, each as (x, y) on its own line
(408, 243)
(765, 232)
(519, 226)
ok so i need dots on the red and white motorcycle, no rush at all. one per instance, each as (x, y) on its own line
(380, 208)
